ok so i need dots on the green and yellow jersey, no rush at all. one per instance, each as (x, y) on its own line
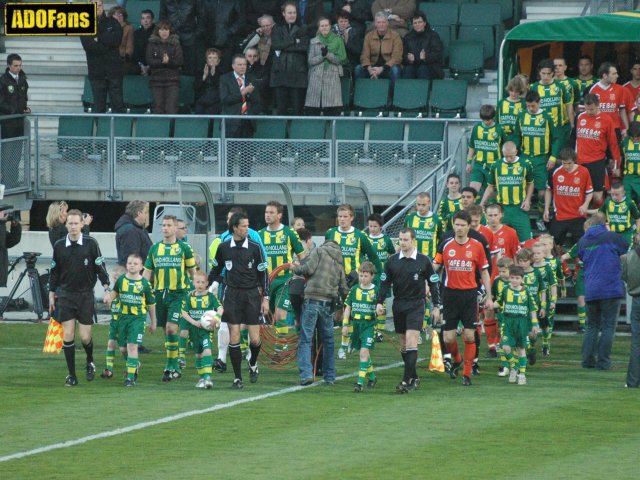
(621, 215)
(446, 210)
(507, 113)
(169, 263)
(536, 135)
(583, 86)
(631, 153)
(354, 245)
(427, 232)
(362, 302)
(196, 305)
(517, 303)
(510, 179)
(553, 98)
(534, 283)
(383, 246)
(486, 141)
(134, 296)
(571, 88)
(281, 245)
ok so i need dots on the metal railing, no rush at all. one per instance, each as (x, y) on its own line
(593, 7)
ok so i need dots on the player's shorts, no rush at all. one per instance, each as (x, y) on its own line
(279, 294)
(363, 334)
(519, 220)
(515, 332)
(169, 306)
(560, 228)
(200, 337)
(76, 305)
(408, 315)
(113, 329)
(479, 173)
(130, 329)
(241, 305)
(540, 172)
(459, 306)
(632, 186)
(564, 135)
(597, 171)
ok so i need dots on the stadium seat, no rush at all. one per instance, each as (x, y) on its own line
(426, 131)
(136, 93)
(187, 133)
(385, 142)
(270, 129)
(75, 127)
(448, 98)
(466, 60)
(482, 23)
(121, 127)
(440, 13)
(346, 84)
(371, 96)
(186, 127)
(506, 7)
(446, 34)
(382, 131)
(411, 96)
(153, 127)
(69, 145)
(305, 131)
(349, 140)
(187, 95)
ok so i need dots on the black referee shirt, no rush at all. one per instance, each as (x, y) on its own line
(244, 264)
(408, 276)
(76, 265)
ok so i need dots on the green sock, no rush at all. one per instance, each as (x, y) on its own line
(582, 315)
(172, 352)
(522, 364)
(182, 347)
(363, 372)
(206, 364)
(111, 355)
(198, 364)
(370, 371)
(545, 337)
(132, 366)
(509, 360)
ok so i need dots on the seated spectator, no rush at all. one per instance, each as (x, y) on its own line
(164, 57)
(359, 11)
(126, 45)
(207, 86)
(382, 52)
(326, 56)
(141, 40)
(353, 37)
(398, 13)
(260, 75)
(422, 50)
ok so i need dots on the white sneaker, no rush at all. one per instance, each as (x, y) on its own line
(208, 384)
(342, 354)
(503, 372)
(513, 375)
(522, 380)
(201, 383)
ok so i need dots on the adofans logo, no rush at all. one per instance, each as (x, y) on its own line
(50, 18)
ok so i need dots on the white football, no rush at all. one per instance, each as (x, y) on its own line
(210, 320)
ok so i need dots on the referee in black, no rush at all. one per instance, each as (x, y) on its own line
(246, 281)
(409, 271)
(77, 263)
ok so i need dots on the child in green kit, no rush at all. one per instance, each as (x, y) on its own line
(519, 318)
(193, 308)
(533, 282)
(621, 212)
(136, 298)
(501, 281)
(112, 339)
(550, 285)
(383, 246)
(360, 311)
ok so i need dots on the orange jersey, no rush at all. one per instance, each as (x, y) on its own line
(613, 98)
(569, 191)
(462, 263)
(506, 244)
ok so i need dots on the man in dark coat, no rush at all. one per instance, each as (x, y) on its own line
(183, 17)
(141, 40)
(221, 24)
(131, 236)
(7, 240)
(104, 63)
(422, 50)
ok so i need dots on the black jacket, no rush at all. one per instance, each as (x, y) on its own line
(60, 231)
(254, 9)
(75, 268)
(408, 277)
(232, 100)
(354, 44)
(360, 11)
(7, 240)
(140, 41)
(430, 42)
(13, 99)
(131, 237)
(102, 50)
(221, 23)
(245, 264)
(207, 92)
(289, 46)
(183, 17)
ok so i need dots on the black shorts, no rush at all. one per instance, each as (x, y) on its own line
(459, 306)
(241, 305)
(76, 306)
(597, 172)
(560, 228)
(408, 314)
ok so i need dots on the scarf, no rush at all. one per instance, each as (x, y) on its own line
(335, 44)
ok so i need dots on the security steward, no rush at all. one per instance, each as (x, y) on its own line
(245, 296)
(77, 263)
(408, 271)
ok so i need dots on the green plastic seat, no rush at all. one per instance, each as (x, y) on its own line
(411, 95)
(136, 93)
(371, 95)
(448, 98)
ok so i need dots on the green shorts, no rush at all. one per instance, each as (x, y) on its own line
(632, 186)
(363, 335)
(200, 337)
(169, 306)
(479, 173)
(540, 172)
(563, 133)
(515, 331)
(130, 329)
(279, 294)
(113, 329)
(519, 220)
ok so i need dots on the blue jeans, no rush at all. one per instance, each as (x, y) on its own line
(415, 71)
(633, 371)
(313, 311)
(602, 317)
(393, 73)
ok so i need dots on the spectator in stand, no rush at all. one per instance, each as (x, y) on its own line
(614, 101)
(221, 25)
(126, 45)
(260, 74)
(585, 77)
(182, 15)
(633, 86)
(289, 78)
(309, 12)
(8, 239)
(353, 37)
(358, 10)
(164, 56)
(398, 12)
(239, 96)
(104, 63)
(422, 50)
(257, 9)
(382, 52)
(260, 61)
(141, 40)
(207, 86)
(326, 56)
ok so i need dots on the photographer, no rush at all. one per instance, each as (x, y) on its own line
(8, 239)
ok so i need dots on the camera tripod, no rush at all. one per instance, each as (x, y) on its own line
(38, 295)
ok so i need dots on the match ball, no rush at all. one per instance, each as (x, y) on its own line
(210, 320)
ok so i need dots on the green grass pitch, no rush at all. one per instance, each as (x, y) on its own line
(566, 423)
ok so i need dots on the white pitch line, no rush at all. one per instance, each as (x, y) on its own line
(172, 418)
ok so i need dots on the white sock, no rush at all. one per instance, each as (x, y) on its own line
(223, 342)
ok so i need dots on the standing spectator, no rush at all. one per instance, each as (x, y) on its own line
(207, 86)
(221, 24)
(309, 12)
(326, 281)
(164, 56)
(260, 74)
(614, 101)
(631, 275)
(8, 239)
(255, 9)
(56, 221)
(126, 45)
(600, 251)
(382, 52)
(398, 12)
(289, 78)
(422, 50)
(131, 234)
(141, 40)
(182, 15)
(13, 100)
(104, 63)
(77, 263)
(353, 37)
(239, 96)
(358, 11)
(571, 189)
(260, 61)
(326, 56)
(585, 78)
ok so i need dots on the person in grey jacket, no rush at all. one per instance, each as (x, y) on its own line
(631, 276)
(326, 281)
